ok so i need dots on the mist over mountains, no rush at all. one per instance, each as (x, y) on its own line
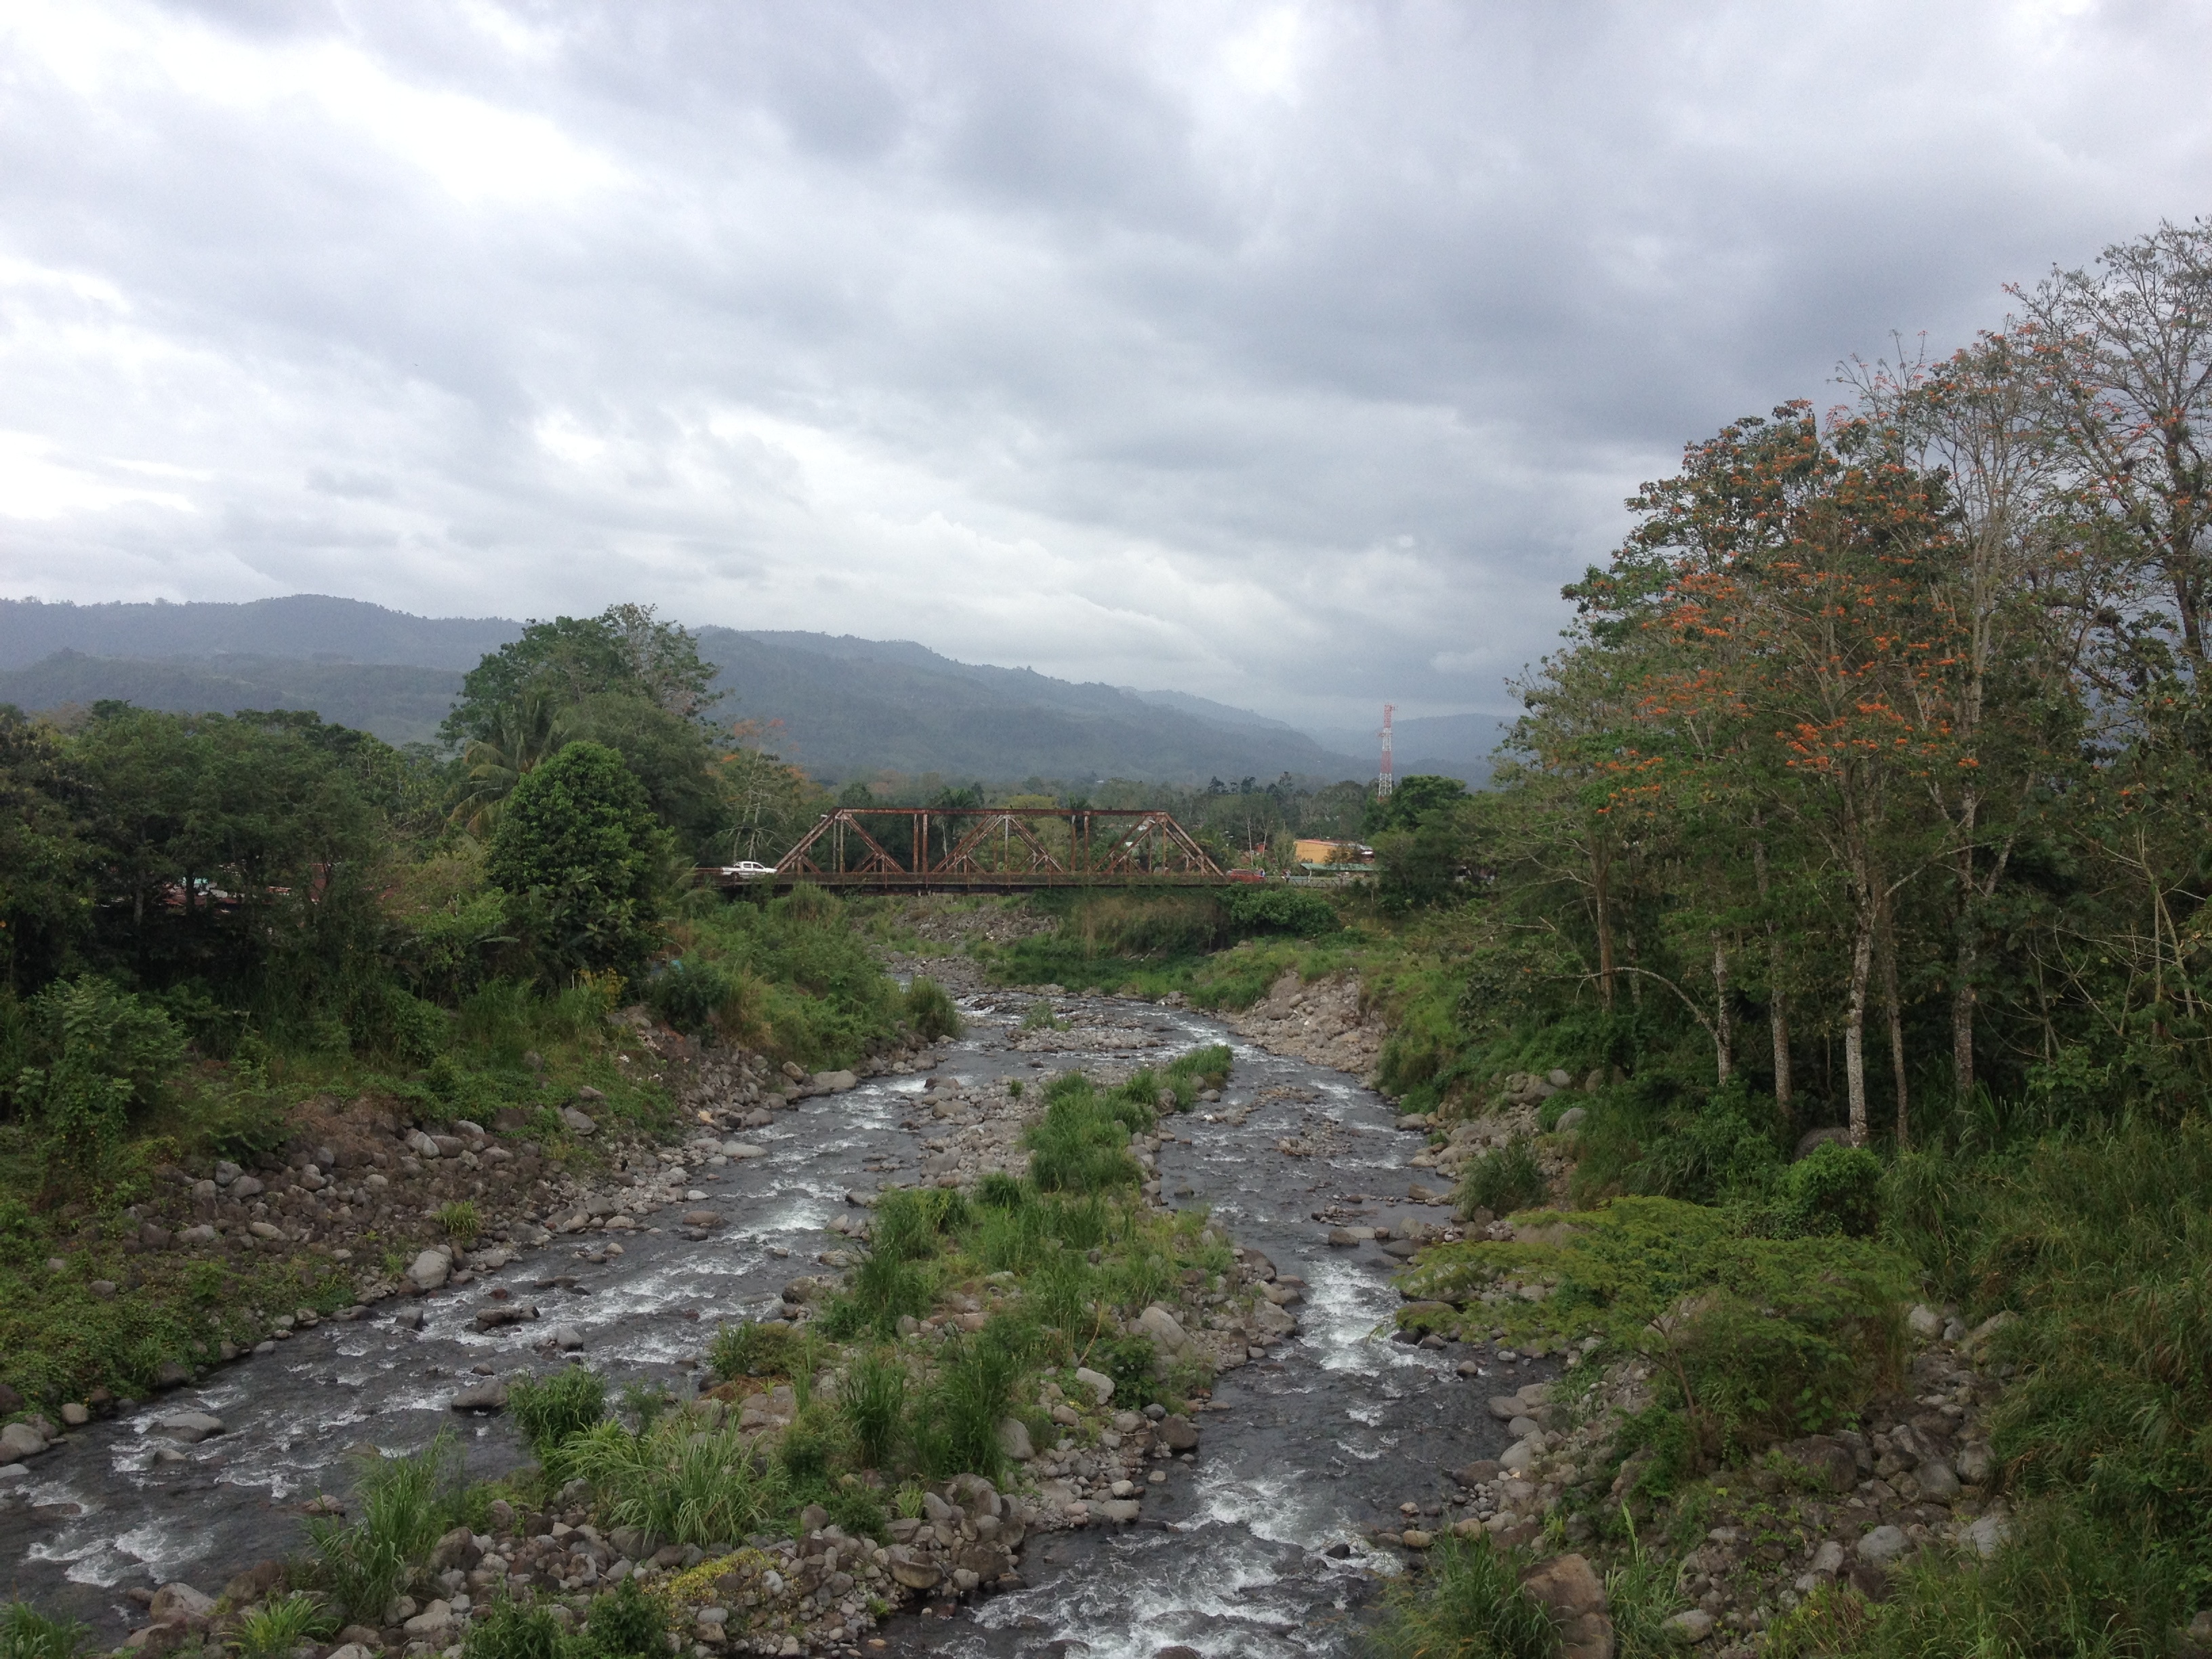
(839, 706)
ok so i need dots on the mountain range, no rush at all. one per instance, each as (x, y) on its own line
(839, 706)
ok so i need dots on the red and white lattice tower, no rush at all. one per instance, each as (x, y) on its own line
(1384, 781)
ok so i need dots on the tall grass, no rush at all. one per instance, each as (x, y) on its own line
(1502, 1181)
(1469, 1604)
(26, 1633)
(554, 1411)
(676, 1480)
(872, 1401)
(404, 1504)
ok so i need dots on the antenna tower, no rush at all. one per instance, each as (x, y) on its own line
(1383, 783)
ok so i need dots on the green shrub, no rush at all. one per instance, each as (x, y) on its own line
(930, 1010)
(278, 1626)
(461, 1220)
(691, 994)
(1041, 1018)
(956, 1430)
(676, 1480)
(998, 1190)
(872, 1401)
(765, 1348)
(1469, 1604)
(1131, 1362)
(884, 1289)
(627, 1623)
(1502, 1181)
(107, 1054)
(1832, 1189)
(506, 1629)
(554, 1410)
(1298, 911)
(1206, 1068)
(26, 1633)
(581, 854)
(805, 1449)
(1081, 1143)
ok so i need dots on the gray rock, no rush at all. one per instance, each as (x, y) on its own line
(1176, 1433)
(1829, 1558)
(1974, 1464)
(1690, 1628)
(1926, 1322)
(567, 1338)
(1014, 1440)
(1989, 1532)
(178, 1601)
(1882, 1546)
(490, 1396)
(1937, 1483)
(1506, 1406)
(1100, 1384)
(202, 1234)
(430, 1269)
(191, 1427)
(1121, 1510)
(1571, 1120)
(1522, 1427)
(1157, 1323)
(421, 1144)
(19, 1441)
(578, 1122)
(1558, 1079)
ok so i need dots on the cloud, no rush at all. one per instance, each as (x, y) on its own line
(1293, 355)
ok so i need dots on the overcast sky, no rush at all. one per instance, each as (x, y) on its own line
(1292, 354)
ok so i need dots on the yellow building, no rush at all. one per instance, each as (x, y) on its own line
(1331, 852)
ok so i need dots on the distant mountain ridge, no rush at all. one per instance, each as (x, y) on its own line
(842, 707)
(299, 625)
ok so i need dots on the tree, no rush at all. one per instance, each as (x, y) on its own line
(570, 660)
(582, 856)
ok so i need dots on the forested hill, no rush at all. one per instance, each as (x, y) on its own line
(838, 706)
(848, 705)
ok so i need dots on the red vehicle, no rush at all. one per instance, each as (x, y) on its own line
(1247, 875)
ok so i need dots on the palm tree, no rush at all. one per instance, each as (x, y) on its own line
(525, 734)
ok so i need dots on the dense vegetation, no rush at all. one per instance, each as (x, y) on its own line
(1869, 789)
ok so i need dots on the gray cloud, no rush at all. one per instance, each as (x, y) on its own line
(1289, 353)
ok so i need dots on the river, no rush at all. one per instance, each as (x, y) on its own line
(1257, 1549)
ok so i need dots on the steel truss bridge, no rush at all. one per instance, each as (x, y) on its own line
(988, 849)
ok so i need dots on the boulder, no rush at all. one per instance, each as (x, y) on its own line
(1100, 1384)
(1506, 1406)
(1882, 1546)
(508, 1313)
(489, 1395)
(1157, 1323)
(835, 1083)
(1938, 1484)
(579, 1122)
(1989, 1532)
(1571, 1120)
(457, 1548)
(567, 1338)
(1827, 1460)
(191, 1427)
(421, 1144)
(910, 1569)
(180, 1600)
(1570, 1588)
(1121, 1511)
(19, 1441)
(1927, 1324)
(1689, 1628)
(1014, 1439)
(1176, 1434)
(430, 1270)
(430, 1625)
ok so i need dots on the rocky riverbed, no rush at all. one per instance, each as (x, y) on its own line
(1246, 1526)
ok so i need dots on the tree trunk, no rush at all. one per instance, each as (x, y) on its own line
(1896, 1018)
(1855, 1022)
(1777, 1017)
(1723, 1034)
(1601, 894)
(1962, 1017)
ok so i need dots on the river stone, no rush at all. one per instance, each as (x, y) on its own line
(1937, 1483)
(1481, 1473)
(743, 1149)
(1518, 1456)
(1100, 1384)
(1927, 1324)
(1571, 1120)
(191, 1427)
(433, 1621)
(247, 1187)
(567, 1338)
(20, 1440)
(1690, 1628)
(1506, 1406)
(1157, 1323)
(1570, 1588)
(1121, 1510)
(1974, 1464)
(180, 1600)
(1988, 1534)
(75, 1414)
(701, 1218)
(430, 1270)
(578, 1122)
(1522, 1427)
(202, 1234)
(910, 1570)
(356, 1651)
(835, 1083)
(1176, 1434)
(264, 1230)
(1882, 1546)
(421, 1144)
(491, 1319)
(1014, 1439)
(490, 1396)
